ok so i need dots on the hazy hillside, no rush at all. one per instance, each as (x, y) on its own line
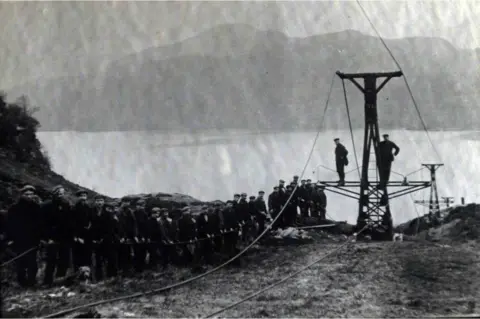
(234, 76)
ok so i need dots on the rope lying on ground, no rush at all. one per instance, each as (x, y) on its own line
(286, 278)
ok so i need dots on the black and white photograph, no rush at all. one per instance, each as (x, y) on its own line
(240, 159)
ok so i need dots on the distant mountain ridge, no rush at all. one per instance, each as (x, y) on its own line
(237, 77)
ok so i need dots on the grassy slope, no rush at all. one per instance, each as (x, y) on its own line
(14, 174)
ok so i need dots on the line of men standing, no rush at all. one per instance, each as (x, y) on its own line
(124, 236)
(121, 237)
(307, 198)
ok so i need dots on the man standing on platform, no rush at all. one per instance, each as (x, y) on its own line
(387, 155)
(340, 160)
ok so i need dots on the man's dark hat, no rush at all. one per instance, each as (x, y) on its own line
(98, 196)
(261, 192)
(236, 195)
(81, 192)
(336, 139)
(385, 135)
(252, 197)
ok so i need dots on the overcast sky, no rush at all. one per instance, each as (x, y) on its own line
(58, 38)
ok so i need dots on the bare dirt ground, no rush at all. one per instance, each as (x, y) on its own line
(392, 279)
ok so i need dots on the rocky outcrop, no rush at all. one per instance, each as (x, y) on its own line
(458, 223)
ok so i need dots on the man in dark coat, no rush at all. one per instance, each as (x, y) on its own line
(232, 226)
(387, 151)
(24, 227)
(140, 246)
(59, 234)
(82, 245)
(104, 236)
(218, 220)
(205, 232)
(322, 202)
(341, 161)
(154, 237)
(303, 198)
(166, 236)
(290, 210)
(187, 232)
(275, 205)
(243, 211)
(128, 233)
(261, 212)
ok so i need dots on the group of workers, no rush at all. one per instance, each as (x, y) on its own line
(125, 237)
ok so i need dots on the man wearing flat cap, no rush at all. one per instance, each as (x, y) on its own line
(232, 225)
(261, 212)
(167, 238)
(58, 233)
(387, 150)
(290, 208)
(103, 233)
(140, 247)
(322, 202)
(243, 212)
(250, 228)
(187, 231)
(153, 237)
(275, 204)
(82, 222)
(281, 186)
(24, 228)
(341, 160)
(127, 235)
(303, 198)
(204, 248)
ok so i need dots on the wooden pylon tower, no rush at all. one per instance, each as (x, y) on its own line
(434, 204)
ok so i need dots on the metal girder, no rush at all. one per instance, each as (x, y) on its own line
(411, 187)
(375, 183)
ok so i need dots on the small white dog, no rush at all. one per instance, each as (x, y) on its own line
(398, 237)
